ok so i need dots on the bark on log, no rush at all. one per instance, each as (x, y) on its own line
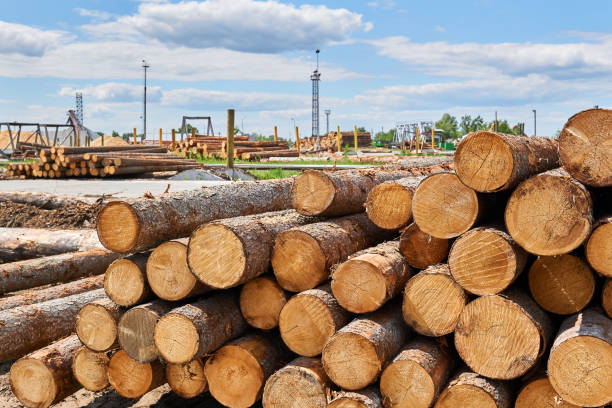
(417, 375)
(365, 398)
(43, 201)
(502, 336)
(187, 380)
(538, 393)
(370, 278)
(96, 324)
(433, 301)
(32, 273)
(229, 252)
(585, 147)
(489, 161)
(389, 205)
(199, 328)
(354, 357)
(62, 150)
(116, 170)
(561, 284)
(420, 249)
(470, 390)
(549, 214)
(606, 297)
(309, 319)
(303, 256)
(27, 328)
(580, 362)
(44, 377)
(90, 368)
(301, 383)
(261, 301)
(599, 246)
(132, 379)
(125, 280)
(485, 261)
(136, 225)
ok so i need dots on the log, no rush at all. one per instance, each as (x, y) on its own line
(580, 362)
(45, 201)
(549, 214)
(599, 246)
(125, 280)
(53, 269)
(538, 393)
(420, 249)
(370, 278)
(132, 379)
(199, 328)
(606, 297)
(389, 205)
(309, 319)
(237, 372)
(561, 284)
(119, 170)
(470, 390)
(488, 161)
(188, 379)
(17, 244)
(261, 301)
(417, 375)
(502, 336)
(226, 253)
(169, 276)
(355, 355)
(90, 368)
(365, 398)
(267, 155)
(63, 150)
(123, 161)
(486, 260)
(96, 324)
(301, 383)
(136, 328)
(139, 224)
(585, 147)
(433, 301)
(27, 328)
(44, 377)
(303, 256)
(59, 291)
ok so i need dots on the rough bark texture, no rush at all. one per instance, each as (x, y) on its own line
(261, 301)
(27, 328)
(365, 398)
(303, 256)
(136, 225)
(53, 269)
(389, 205)
(599, 246)
(125, 280)
(187, 380)
(606, 297)
(470, 390)
(45, 201)
(489, 161)
(538, 393)
(96, 324)
(90, 368)
(421, 249)
(549, 214)
(132, 379)
(369, 278)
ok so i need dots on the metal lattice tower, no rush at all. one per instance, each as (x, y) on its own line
(327, 113)
(315, 78)
(79, 107)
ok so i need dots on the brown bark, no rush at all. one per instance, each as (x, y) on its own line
(187, 380)
(599, 246)
(421, 249)
(538, 393)
(119, 170)
(261, 301)
(470, 390)
(146, 162)
(265, 155)
(125, 280)
(365, 398)
(45, 201)
(606, 297)
(132, 379)
(96, 324)
(90, 368)
(389, 205)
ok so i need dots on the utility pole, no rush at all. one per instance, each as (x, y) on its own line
(535, 133)
(327, 113)
(145, 65)
(315, 78)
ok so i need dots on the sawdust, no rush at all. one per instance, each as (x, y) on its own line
(109, 141)
(78, 215)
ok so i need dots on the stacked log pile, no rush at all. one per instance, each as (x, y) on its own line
(210, 146)
(470, 310)
(330, 141)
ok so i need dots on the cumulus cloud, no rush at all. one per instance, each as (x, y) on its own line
(240, 100)
(25, 40)
(115, 92)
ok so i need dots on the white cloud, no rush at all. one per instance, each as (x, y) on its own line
(440, 29)
(384, 4)
(115, 92)
(96, 15)
(25, 40)
(239, 100)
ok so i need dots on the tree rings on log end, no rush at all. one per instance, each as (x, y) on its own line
(118, 226)
(421, 249)
(313, 192)
(90, 369)
(469, 390)
(599, 249)
(130, 378)
(606, 297)
(389, 205)
(301, 383)
(359, 286)
(351, 361)
(135, 333)
(540, 394)
(261, 302)
(96, 327)
(167, 271)
(33, 383)
(170, 327)
(124, 282)
(298, 261)
(187, 380)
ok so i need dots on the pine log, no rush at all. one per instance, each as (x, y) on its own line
(53, 269)
(580, 362)
(144, 161)
(44, 377)
(96, 324)
(30, 297)
(562, 284)
(136, 328)
(585, 147)
(187, 380)
(421, 249)
(502, 336)
(238, 371)
(125, 280)
(433, 301)
(485, 261)
(64, 150)
(369, 278)
(309, 319)
(599, 246)
(355, 355)
(168, 274)
(301, 383)
(389, 205)
(152, 168)
(45, 201)
(132, 379)
(199, 328)
(488, 161)
(417, 375)
(226, 253)
(139, 224)
(27, 328)
(365, 398)
(303, 256)
(90, 368)
(538, 393)
(261, 301)
(470, 390)
(606, 297)
(549, 214)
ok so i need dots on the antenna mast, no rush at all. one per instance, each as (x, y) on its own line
(315, 78)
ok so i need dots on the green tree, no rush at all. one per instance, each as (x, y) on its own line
(448, 125)
(504, 127)
(384, 136)
(100, 133)
(115, 133)
(361, 129)
(468, 124)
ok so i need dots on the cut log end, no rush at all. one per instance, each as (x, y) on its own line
(313, 192)
(261, 302)
(167, 272)
(351, 361)
(170, 327)
(606, 297)
(301, 383)
(599, 249)
(421, 249)
(294, 253)
(135, 334)
(359, 286)
(540, 394)
(124, 282)
(90, 369)
(33, 383)
(96, 327)
(389, 206)
(401, 380)
(365, 398)
(132, 379)
(118, 227)
(187, 380)
(466, 396)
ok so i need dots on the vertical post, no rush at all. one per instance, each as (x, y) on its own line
(173, 139)
(339, 140)
(418, 138)
(193, 133)
(160, 137)
(297, 139)
(535, 133)
(230, 138)
(135, 136)
(102, 140)
(275, 134)
(355, 134)
(433, 139)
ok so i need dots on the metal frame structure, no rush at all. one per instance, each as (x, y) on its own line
(79, 107)
(39, 137)
(327, 113)
(209, 127)
(405, 132)
(315, 78)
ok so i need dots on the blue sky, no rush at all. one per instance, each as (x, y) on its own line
(382, 61)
